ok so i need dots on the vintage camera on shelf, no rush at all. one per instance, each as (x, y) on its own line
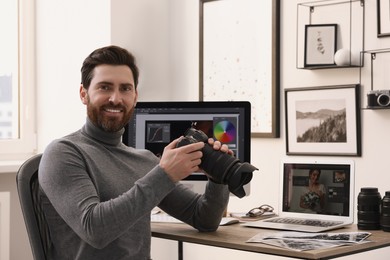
(221, 167)
(378, 98)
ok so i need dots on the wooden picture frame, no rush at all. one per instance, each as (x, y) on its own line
(323, 120)
(320, 44)
(239, 58)
(383, 15)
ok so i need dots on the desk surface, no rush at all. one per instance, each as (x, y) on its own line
(234, 237)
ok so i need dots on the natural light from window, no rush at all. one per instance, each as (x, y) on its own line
(18, 139)
(9, 72)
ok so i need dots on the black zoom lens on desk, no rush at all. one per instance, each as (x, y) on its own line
(369, 202)
(385, 212)
(221, 167)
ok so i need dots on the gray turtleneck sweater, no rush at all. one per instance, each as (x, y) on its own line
(98, 195)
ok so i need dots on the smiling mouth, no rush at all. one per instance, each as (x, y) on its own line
(113, 110)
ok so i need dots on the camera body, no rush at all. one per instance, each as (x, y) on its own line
(221, 167)
(378, 98)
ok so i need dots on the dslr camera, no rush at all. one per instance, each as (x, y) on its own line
(378, 98)
(221, 167)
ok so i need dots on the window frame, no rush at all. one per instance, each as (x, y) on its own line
(26, 145)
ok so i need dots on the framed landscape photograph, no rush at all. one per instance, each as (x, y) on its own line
(320, 44)
(383, 14)
(323, 121)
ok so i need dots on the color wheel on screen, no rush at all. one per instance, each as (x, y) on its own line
(225, 131)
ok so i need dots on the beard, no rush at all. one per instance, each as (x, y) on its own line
(106, 123)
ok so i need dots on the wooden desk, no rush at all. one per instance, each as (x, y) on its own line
(234, 237)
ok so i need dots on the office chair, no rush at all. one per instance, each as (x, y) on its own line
(28, 190)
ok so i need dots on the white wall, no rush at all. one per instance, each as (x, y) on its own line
(164, 36)
(67, 31)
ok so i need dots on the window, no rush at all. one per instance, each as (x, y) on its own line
(17, 82)
(9, 69)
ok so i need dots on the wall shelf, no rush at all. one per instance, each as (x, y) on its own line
(330, 67)
(349, 17)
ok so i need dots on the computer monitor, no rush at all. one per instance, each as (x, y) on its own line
(155, 124)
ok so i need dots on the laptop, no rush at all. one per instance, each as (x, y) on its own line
(315, 196)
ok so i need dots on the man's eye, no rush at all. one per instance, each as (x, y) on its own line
(104, 87)
(126, 88)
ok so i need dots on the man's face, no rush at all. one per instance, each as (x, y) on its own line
(111, 97)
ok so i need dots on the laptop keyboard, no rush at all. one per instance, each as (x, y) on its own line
(305, 222)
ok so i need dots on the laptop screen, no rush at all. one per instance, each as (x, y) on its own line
(318, 188)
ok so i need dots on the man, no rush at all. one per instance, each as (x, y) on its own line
(97, 193)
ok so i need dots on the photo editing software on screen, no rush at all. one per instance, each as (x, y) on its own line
(155, 124)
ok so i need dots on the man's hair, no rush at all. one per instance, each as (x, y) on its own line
(109, 55)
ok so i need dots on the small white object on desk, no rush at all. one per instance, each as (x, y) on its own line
(228, 221)
(165, 218)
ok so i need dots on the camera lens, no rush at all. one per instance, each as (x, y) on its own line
(383, 100)
(221, 167)
(369, 201)
(226, 169)
(385, 212)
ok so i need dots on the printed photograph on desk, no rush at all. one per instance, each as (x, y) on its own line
(301, 241)
(323, 120)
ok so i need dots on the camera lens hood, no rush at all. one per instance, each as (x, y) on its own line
(242, 175)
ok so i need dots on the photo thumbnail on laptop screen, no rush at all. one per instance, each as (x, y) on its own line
(317, 189)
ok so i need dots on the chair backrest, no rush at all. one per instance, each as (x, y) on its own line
(28, 190)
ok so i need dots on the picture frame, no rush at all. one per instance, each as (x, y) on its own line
(323, 120)
(383, 16)
(320, 44)
(239, 58)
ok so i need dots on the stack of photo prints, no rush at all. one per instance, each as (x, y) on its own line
(300, 241)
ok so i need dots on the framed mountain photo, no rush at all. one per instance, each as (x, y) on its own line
(323, 121)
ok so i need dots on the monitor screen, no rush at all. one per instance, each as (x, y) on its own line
(318, 188)
(155, 124)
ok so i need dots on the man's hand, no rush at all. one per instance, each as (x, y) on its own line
(180, 162)
(217, 145)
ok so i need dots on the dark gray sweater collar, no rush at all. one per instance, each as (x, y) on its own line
(110, 138)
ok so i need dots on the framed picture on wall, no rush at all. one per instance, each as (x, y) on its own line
(239, 58)
(323, 121)
(383, 15)
(320, 44)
